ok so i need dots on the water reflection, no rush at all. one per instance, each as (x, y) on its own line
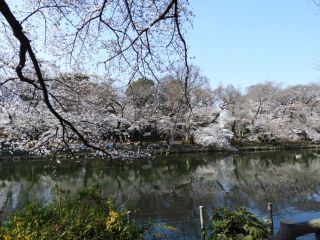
(171, 189)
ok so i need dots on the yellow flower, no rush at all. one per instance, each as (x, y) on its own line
(112, 220)
(6, 237)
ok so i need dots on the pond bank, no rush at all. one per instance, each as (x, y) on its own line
(148, 150)
(192, 148)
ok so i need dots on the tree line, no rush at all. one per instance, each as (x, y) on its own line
(157, 110)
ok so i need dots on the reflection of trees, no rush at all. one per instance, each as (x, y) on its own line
(172, 189)
(286, 180)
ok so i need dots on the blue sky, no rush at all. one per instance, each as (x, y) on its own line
(250, 41)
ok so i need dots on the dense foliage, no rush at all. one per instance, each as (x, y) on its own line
(236, 225)
(88, 217)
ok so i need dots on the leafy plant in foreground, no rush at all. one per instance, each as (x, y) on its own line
(87, 217)
(236, 225)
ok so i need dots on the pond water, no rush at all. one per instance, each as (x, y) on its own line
(170, 189)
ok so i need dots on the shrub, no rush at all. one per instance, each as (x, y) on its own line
(236, 225)
(89, 216)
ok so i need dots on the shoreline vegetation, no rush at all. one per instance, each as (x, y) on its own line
(91, 215)
(88, 216)
(137, 150)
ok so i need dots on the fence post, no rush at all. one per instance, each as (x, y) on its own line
(270, 217)
(201, 222)
(129, 216)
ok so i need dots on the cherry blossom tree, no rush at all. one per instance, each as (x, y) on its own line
(42, 39)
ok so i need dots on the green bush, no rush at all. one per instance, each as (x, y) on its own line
(236, 225)
(89, 216)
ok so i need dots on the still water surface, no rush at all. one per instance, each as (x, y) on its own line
(170, 189)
